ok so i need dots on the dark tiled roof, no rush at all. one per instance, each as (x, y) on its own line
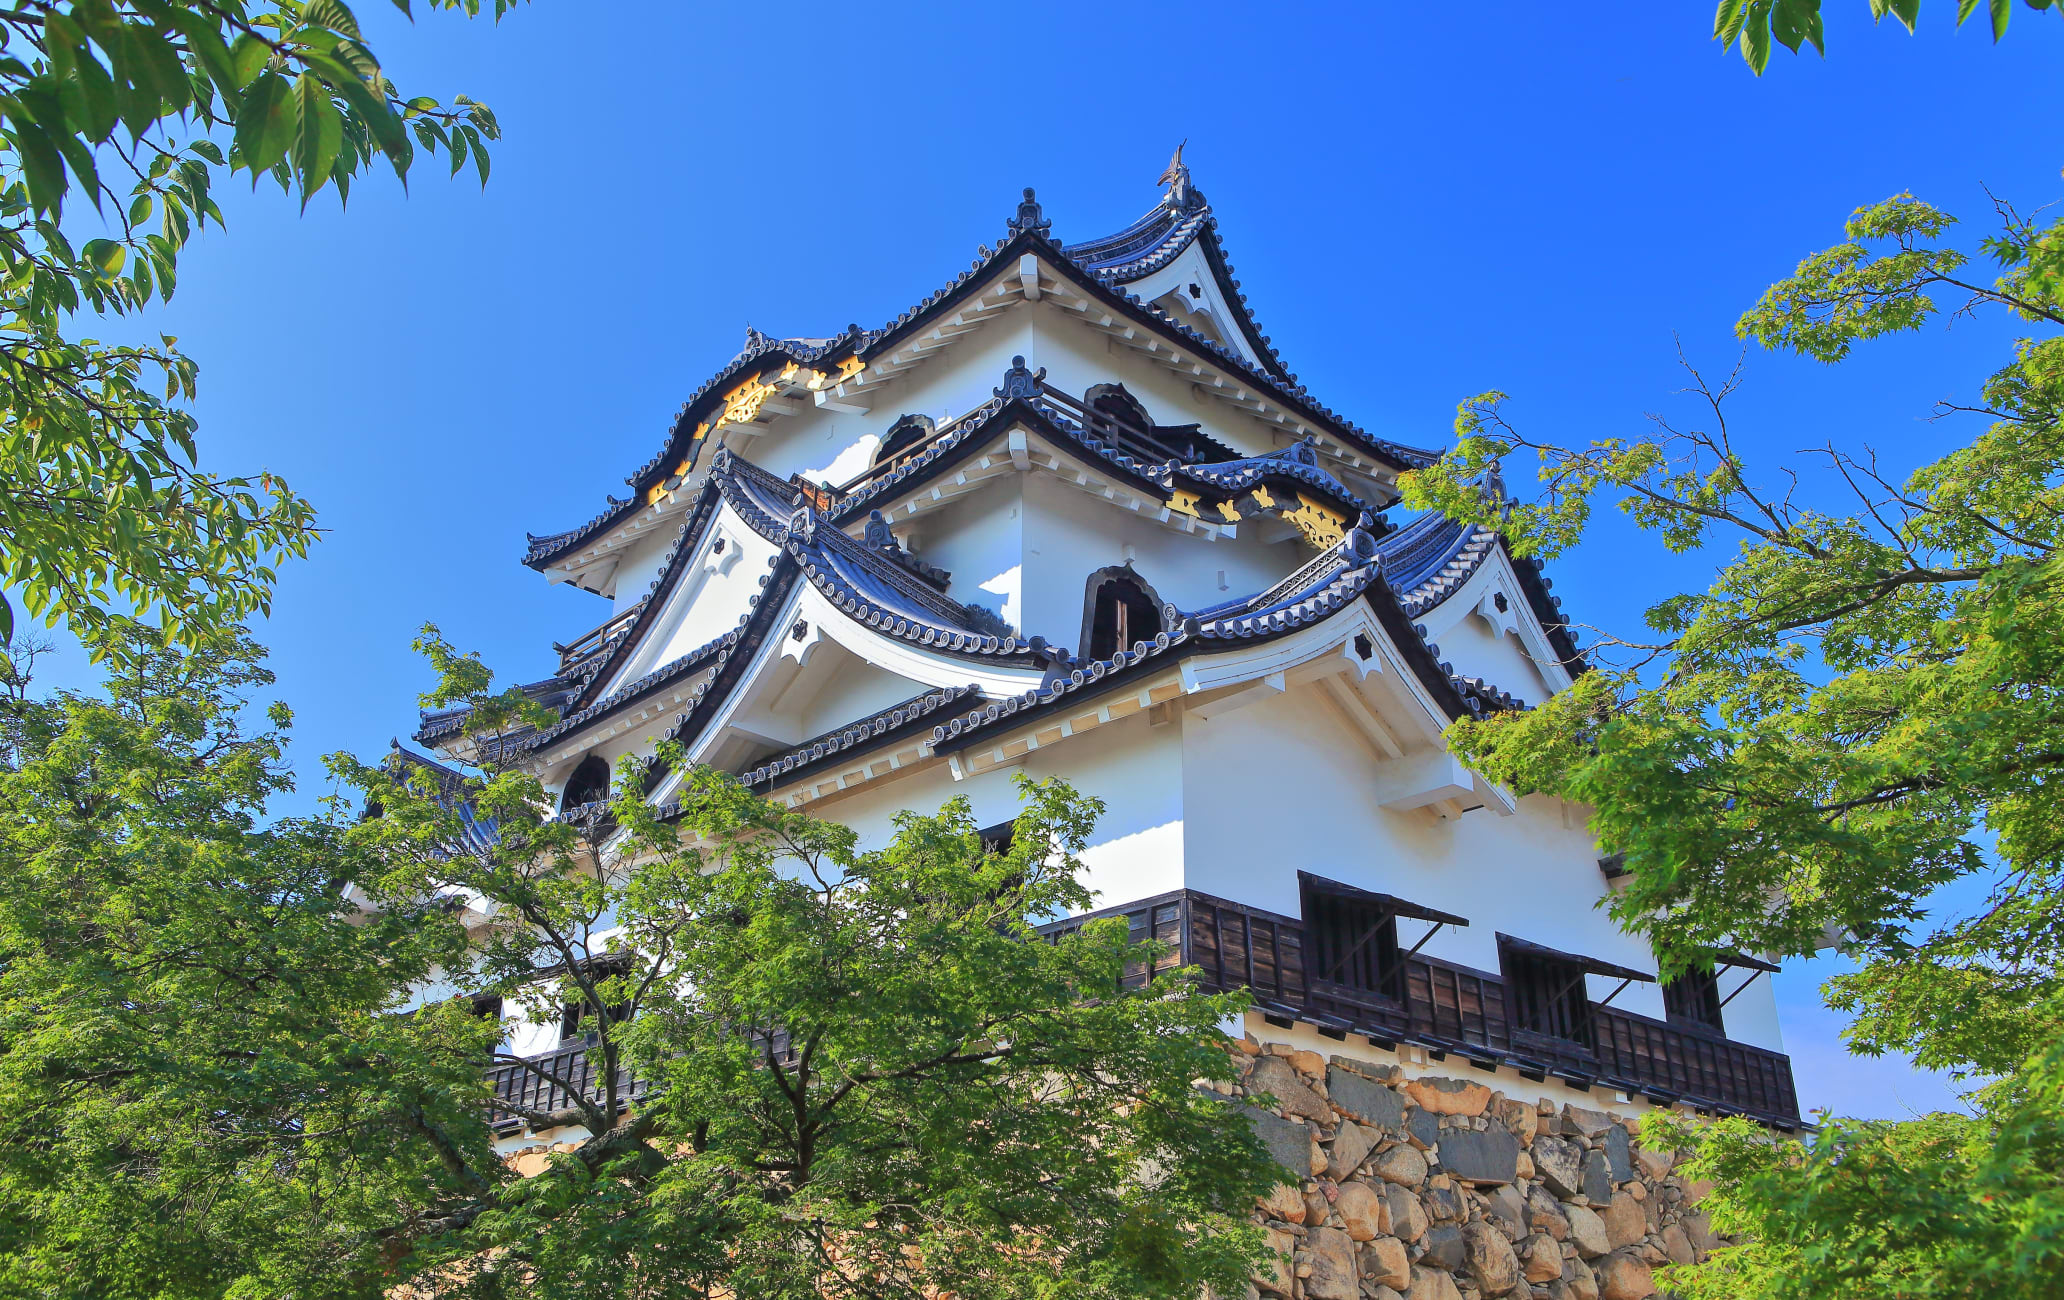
(477, 835)
(1430, 558)
(1157, 239)
(596, 671)
(629, 693)
(552, 692)
(887, 724)
(1318, 589)
(1355, 569)
(1218, 480)
(868, 585)
(1298, 463)
(1098, 275)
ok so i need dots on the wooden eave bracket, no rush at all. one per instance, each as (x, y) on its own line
(1433, 778)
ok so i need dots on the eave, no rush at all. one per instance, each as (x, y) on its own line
(845, 371)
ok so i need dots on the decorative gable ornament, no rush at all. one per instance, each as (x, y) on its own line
(1031, 218)
(1019, 382)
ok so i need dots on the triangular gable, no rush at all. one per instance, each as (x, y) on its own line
(807, 668)
(888, 600)
(1289, 484)
(1489, 612)
(1172, 258)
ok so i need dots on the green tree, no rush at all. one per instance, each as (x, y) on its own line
(1758, 24)
(123, 115)
(1865, 705)
(862, 1072)
(205, 1088)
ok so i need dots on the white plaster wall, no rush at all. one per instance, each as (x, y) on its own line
(1469, 644)
(1133, 766)
(979, 539)
(1076, 356)
(847, 689)
(1281, 786)
(1206, 311)
(707, 602)
(1504, 657)
(637, 567)
(1069, 535)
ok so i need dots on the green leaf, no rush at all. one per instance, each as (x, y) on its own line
(164, 73)
(2002, 11)
(331, 14)
(204, 39)
(265, 123)
(318, 134)
(105, 254)
(1755, 38)
(1728, 19)
(6, 619)
(140, 208)
(386, 125)
(1906, 11)
(1788, 23)
(42, 165)
(479, 154)
(90, 101)
(247, 59)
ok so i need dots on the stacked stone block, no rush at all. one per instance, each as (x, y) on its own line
(1443, 1189)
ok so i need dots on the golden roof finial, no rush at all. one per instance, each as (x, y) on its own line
(1182, 196)
(1176, 173)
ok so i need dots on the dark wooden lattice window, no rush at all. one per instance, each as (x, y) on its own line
(1547, 995)
(1123, 614)
(998, 838)
(577, 1022)
(1353, 942)
(905, 433)
(1693, 1000)
(588, 784)
(1115, 411)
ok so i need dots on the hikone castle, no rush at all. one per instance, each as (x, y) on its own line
(1072, 514)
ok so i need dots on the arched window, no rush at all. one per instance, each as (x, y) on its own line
(1116, 406)
(588, 784)
(1121, 611)
(905, 433)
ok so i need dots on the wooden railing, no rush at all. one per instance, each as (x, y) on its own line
(1448, 1008)
(1453, 1009)
(574, 1073)
(578, 1067)
(592, 641)
(1142, 444)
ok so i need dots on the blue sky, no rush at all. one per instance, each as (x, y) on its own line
(1421, 205)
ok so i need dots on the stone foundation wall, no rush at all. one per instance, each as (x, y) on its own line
(1435, 1188)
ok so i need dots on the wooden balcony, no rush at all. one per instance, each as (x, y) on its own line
(1447, 1008)
(1451, 1009)
(572, 1068)
(593, 641)
(574, 1071)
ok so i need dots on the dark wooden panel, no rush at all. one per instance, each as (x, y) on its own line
(1460, 1009)
(1443, 1005)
